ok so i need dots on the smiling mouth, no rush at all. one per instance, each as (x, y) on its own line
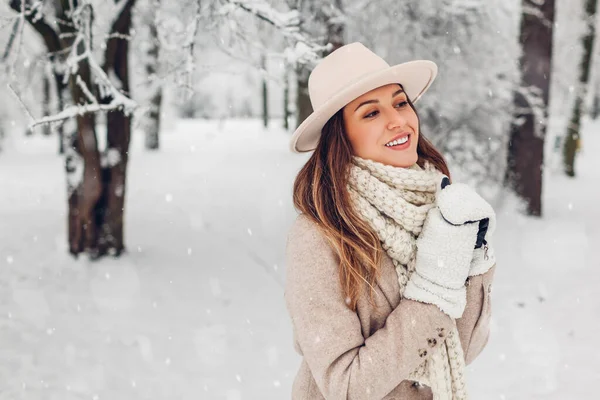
(397, 142)
(400, 141)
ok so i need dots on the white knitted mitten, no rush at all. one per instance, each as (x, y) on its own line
(459, 203)
(444, 253)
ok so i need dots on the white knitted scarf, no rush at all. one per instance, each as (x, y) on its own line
(395, 201)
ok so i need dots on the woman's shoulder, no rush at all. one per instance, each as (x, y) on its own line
(305, 228)
(306, 238)
(310, 260)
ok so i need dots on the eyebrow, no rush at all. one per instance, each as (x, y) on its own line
(396, 93)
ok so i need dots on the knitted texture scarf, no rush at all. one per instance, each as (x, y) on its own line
(394, 202)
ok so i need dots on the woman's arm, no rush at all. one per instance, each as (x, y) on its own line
(328, 333)
(474, 325)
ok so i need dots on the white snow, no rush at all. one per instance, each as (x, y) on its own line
(111, 158)
(195, 309)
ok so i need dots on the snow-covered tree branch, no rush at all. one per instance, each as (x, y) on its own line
(302, 49)
(80, 35)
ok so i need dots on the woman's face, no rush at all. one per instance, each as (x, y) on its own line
(383, 127)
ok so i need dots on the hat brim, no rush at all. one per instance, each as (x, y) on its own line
(414, 76)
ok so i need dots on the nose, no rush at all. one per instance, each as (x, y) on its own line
(395, 120)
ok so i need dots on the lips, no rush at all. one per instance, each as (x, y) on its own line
(399, 142)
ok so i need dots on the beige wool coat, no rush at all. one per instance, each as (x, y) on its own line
(367, 353)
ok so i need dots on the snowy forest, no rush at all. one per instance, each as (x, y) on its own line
(146, 185)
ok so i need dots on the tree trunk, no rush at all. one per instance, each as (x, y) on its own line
(152, 141)
(111, 206)
(95, 191)
(61, 92)
(572, 138)
(526, 146)
(596, 104)
(265, 93)
(46, 101)
(286, 98)
(82, 161)
(303, 105)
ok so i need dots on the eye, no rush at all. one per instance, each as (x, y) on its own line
(401, 104)
(372, 114)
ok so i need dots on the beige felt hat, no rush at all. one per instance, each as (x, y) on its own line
(347, 73)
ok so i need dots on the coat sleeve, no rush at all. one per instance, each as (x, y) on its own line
(474, 325)
(328, 333)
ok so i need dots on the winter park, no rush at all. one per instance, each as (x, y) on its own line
(147, 196)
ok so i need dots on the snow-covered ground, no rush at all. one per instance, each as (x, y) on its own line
(195, 309)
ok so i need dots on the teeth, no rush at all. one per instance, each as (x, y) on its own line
(397, 142)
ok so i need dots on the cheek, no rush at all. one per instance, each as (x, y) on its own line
(365, 137)
(360, 137)
(414, 120)
(352, 135)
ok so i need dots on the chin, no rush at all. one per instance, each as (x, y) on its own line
(404, 160)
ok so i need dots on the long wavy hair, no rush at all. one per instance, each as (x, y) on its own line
(320, 192)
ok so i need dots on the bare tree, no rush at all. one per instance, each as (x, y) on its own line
(46, 101)
(110, 207)
(152, 60)
(286, 98)
(525, 165)
(265, 92)
(572, 138)
(595, 112)
(95, 182)
(50, 35)
(96, 177)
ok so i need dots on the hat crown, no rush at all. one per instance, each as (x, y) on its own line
(340, 69)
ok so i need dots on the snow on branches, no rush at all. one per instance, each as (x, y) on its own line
(69, 40)
(302, 49)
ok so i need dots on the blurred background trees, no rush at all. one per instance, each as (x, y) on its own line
(514, 82)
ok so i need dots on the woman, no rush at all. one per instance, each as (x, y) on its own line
(389, 268)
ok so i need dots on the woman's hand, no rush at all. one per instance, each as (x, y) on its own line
(445, 248)
(458, 204)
